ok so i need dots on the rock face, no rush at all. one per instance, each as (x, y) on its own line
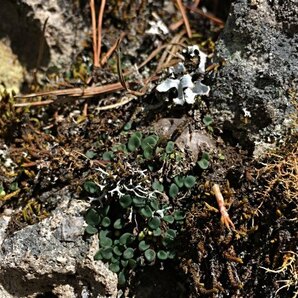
(52, 257)
(251, 94)
(22, 23)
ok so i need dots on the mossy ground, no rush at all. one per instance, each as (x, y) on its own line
(45, 149)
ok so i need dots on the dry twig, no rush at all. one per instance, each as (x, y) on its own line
(185, 18)
(225, 218)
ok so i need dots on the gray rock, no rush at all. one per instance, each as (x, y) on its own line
(22, 23)
(53, 257)
(250, 95)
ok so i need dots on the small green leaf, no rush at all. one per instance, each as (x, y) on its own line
(14, 186)
(171, 255)
(121, 278)
(128, 253)
(132, 263)
(157, 232)
(207, 120)
(117, 251)
(154, 204)
(108, 155)
(189, 181)
(125, 201)
(150, 255)
(98, 256)
(114, 267)
(105, 222)
(118, 224)
(168, 218)
(170, 235)
(124, 263)
(143, 245)
(139, 134)
(154, 223)
(90, 187)
(126, 239)
(107, 253)
(139, 202)
(173, 190)
(90, 154)
(203, 164)
(127, 126)
(179, 180)
(156, 185)
(149, 142)
(146, 211)
(92, 217)
(103, 234)
(162, 255)
(205, 155)
(179, 215)
(106, 210)
(91, 230)
(170, 147)
(133, 143)
(148, 153)
(106, 242)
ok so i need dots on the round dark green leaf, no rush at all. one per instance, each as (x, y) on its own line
(125, 201)
(117, 251)
(150, 255)
(156, 185)
(132, 263)
(128, 253)
(179, 215)
(114, 267)
(121, 278)
(207, 120)
(143, 245)
(126, 239)
(149, 142)
(127, 126)
(203, 164)
(107, 253)
(168, 218)
(146, 211)
(157, 232)
(133, 143)
(148, 153)
(170, 147)
(139, 202)
(154, 204)
(106, 242)
(124, 263)
(179, 180)
(162, 255)
(90, 154)
(105, 222)
(118, 224)
(90, 187)
(91, 230)
(98, 256)
(189, 181)
(92, 217)
(108, 155)
(154, 223)
(173, 190)
(170, 235)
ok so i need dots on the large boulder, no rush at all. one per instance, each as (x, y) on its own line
(52, 256)
(252, 95)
